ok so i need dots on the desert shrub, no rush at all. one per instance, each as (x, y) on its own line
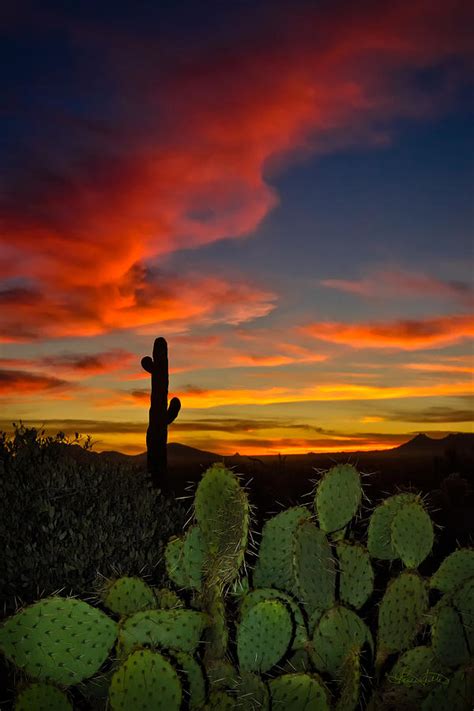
(67, 514)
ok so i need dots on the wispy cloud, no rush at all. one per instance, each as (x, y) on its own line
(403, 334)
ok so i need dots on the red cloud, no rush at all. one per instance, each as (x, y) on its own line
(76, 364)
(17, 382)
(184, 162)
(408, 334)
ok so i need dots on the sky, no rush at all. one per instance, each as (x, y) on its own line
(283, 190)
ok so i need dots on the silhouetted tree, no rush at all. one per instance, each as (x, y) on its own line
(161, 415)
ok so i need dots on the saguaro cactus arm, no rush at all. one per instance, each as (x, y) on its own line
(161, 415)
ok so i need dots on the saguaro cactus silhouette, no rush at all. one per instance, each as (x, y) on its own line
(161, 415)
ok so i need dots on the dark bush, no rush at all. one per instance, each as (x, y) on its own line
(67, 514)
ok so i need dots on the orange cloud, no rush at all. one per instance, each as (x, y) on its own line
(184, 162)
(76, 364)
(407, 334)
(200, 398)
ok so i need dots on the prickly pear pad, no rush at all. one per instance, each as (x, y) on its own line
(57, 639)
(454, 570)
(402, 613)
(251, 693)
(174, 560)
(356, 575)
(264, 636)
(338, 497)
(418, 669)
(167, 599)
(315, 568)
(338, 632)
(128, 595)
(412, 534)
(251, 599)
(186, 664)
(349, 682)
(299, 692)
(447, 636)
(178, 629)
(222, 512)
(145, 681)
(379, 541)
(42, 697)
(456, 696)
(274, 567)
(194, 556)
(463, 601)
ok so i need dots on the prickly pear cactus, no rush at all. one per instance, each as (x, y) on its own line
(254, 596)
(338, 497)
(412, 534)
(338, 632)
(167, 599)
(412, 677)
(447, 636)
(251, 693)
(126, 595)
(454, 570)
(222, 512)
(264, 636)
(42, 697)
(356, 575)
(185, 664)
(402, 613)
(349, 681)
(177, 629)
(274, 567)
(63, 640)
(456, 695)
(145, 681)
(463, 601)
(379, 541)
(314, 568)
(299, 692)
(174, 561)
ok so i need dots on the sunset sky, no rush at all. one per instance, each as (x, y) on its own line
(283, 190)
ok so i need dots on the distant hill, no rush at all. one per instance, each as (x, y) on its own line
(420, 445)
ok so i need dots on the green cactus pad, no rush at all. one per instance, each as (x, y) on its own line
(222, 512)
(221, 674)
(412, 534)
(63, 640)
(264, 636)
(356, 575)
(349, 682)
(167, 599)
(174, 561)
(447, 636)
(402, 613)
(177, 629)
(315, 568)
(274, 567)
(463, 601)
(220, 701)
(251, 693)
(338, 632)
(194, 556)
(454, 570)
(42, 697)
(338, 497)
(185, 664)
(456, 695)
(251, 599)
(145, 681)
(379, 541)
(125, 596)
(413, 675)
(299, 692)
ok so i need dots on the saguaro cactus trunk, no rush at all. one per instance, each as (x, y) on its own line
(161, 415)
